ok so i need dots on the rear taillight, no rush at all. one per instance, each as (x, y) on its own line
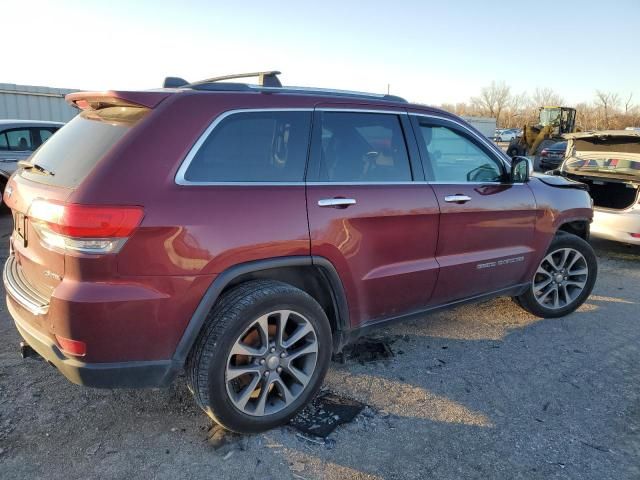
(635, 235)
(84, 228)
(544, 153)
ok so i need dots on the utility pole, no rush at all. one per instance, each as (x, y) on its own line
(388, 88)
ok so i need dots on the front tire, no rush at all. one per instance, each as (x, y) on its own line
(564, 279)
(262, 355)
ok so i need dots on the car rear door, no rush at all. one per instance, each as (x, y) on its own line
(486, 227)
(370, 212)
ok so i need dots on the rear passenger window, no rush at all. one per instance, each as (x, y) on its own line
(254, 147)
(19, 140)
(363, 147)
(4, 145)
(456, 159)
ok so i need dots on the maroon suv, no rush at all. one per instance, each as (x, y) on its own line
(244, 233)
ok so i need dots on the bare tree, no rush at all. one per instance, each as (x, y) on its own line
(627, 104)
(493, 99)
(607, 101)
(517, 109)
(545, 97)
(608, 110)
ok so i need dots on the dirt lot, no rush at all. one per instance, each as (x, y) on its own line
(484, 391)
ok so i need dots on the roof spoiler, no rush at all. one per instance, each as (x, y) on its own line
(112, 98)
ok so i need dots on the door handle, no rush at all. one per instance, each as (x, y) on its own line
(457, 198)
(336, 202)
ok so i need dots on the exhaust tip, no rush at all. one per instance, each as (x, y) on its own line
(26, 351)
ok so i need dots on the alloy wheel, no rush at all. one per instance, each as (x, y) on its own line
(271, 363)
(560, 278)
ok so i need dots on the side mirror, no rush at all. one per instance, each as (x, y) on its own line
(521, 169)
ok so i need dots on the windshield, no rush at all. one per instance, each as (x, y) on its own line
(72, 152)
(549, 116)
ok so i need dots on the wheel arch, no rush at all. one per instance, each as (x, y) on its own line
(579, 227)
(315, 275)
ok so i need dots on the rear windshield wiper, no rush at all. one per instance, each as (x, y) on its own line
(28, 165)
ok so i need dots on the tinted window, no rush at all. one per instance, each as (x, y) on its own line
(455, 158)
(78, 146)
(4, 145)
(254, 147)
(19, 140)
(44, 135)
(363, 147)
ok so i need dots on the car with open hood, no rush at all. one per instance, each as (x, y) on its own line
(609, 163)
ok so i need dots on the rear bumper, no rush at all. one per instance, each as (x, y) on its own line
(549, 164)
(134, 374)
(616, 226)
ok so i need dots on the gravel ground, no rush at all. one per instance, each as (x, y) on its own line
(482, 391)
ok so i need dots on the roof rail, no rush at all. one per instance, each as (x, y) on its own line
(265, 79)
(269, 82)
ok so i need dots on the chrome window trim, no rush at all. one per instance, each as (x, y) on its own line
(242, 184)
(357, 184)
(184, 166)
(469, 183)
(361, 110)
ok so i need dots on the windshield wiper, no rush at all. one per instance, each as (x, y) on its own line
(28, 165)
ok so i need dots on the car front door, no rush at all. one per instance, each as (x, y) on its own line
(370, 212)
(485, 241)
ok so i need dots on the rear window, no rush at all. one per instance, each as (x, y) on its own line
(269, 146)
(77, 147)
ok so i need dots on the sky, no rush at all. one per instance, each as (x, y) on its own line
(430, 52)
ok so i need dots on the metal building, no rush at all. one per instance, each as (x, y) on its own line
(26, 102)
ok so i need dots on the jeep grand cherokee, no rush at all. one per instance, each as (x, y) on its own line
(244, 233)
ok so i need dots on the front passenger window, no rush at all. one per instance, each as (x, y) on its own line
(456, 159)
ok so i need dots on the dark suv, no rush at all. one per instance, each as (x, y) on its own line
(245, 233)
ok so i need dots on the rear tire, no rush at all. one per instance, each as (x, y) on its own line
(564, 279)
(248, 370)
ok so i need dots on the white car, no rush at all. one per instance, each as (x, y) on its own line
(609, 162)
(507, 134)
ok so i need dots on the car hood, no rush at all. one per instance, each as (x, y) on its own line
(559, 181)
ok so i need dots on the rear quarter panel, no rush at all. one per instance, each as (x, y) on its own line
(195, 230)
